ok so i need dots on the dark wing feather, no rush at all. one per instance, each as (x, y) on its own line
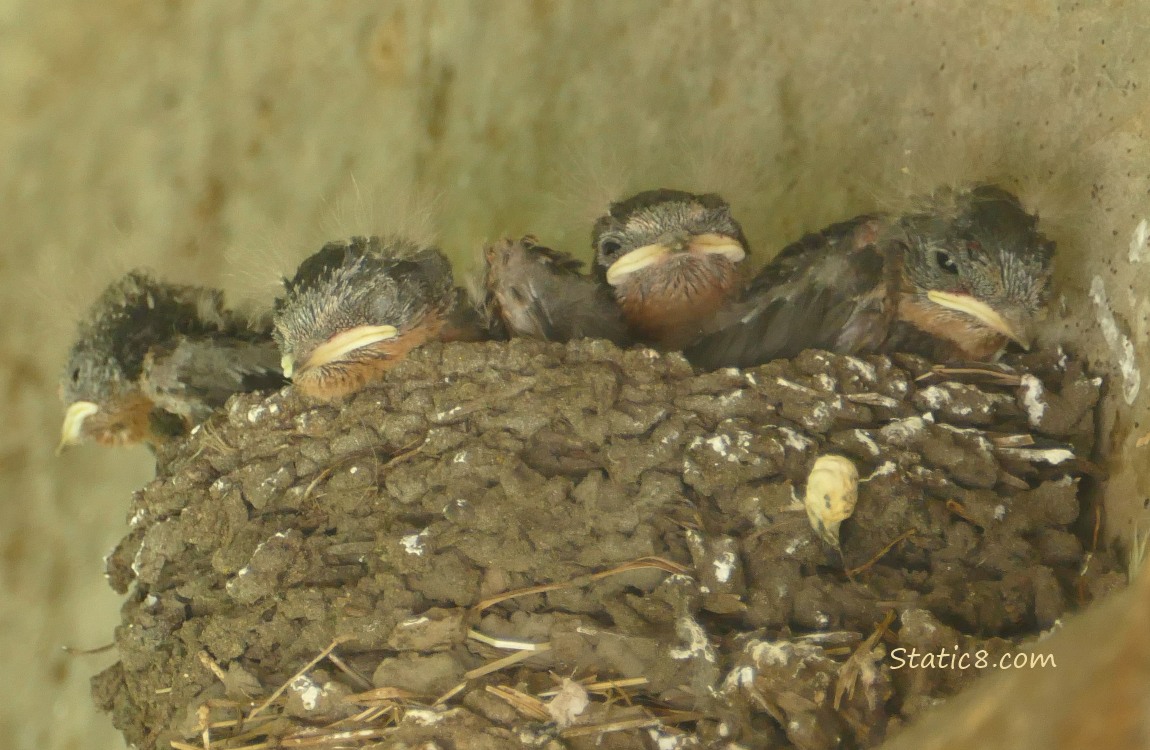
(193, 377)
(581, 308)
(560, 262)
(562, 307)
(827, 291)
(540, 292)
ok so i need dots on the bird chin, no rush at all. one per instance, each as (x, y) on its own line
(124, 435)
(339, 346)
(72, 432)
(339, 378)
(122, 422)
(983, 313)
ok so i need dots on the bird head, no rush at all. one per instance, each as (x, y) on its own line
(100, 386)
(101, 403)
(976, 269)
(352, 303)
(667, 241)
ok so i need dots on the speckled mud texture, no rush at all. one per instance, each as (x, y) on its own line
(391, 524)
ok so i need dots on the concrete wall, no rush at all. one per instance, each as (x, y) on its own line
(221, 142)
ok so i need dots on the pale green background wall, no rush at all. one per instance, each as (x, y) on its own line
(220, 141)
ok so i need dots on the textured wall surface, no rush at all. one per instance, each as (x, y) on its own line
(221, 142)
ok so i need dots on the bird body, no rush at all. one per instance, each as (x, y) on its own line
(356, 307)
(534, 291)
(672, 260)
(152, 359)
(956, 280)
(193, 376)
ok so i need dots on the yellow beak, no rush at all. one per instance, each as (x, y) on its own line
(983, 313)
(648, 255)
(339, 345)
(70, 433)
(636, 260)
(718, 244)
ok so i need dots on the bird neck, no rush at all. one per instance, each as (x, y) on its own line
(671, 321)
(971, 339)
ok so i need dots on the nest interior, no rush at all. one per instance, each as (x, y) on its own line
(538, 545)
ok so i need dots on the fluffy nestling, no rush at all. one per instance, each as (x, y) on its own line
(672, 260)
(958, 279)
(356, 307)
(152, 359)
(534, 291)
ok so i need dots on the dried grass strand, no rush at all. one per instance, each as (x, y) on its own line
(280, 690)
(851, 573)
(659, 563)
(506, 661)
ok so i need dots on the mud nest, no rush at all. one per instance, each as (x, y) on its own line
(536, 545)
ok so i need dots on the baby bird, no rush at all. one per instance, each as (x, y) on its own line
(153, 359)
(672, 260)
(356, 307)
(957, 280)
(537, 292)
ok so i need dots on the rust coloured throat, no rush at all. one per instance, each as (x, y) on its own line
(669, 304)
(336, 379)
(123, 421)
(971, 339)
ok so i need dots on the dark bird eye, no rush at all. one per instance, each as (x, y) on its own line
(75, 375)
(609, 247)
(945, 262)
